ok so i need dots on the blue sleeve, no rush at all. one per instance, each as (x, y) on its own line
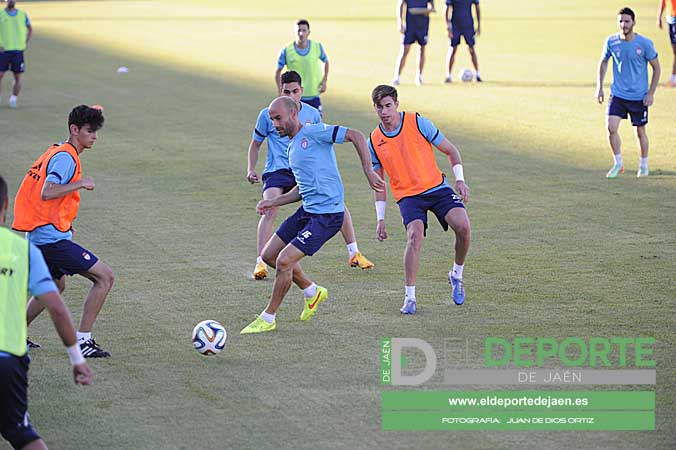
(650, 52)
(431, 133)
(322, 54)
(605, 54)
(28, 21)
(281, 62)
(61, 168)
(374, 158)
(39, 280)
(260, 132)
(326, 134)
(316, 116)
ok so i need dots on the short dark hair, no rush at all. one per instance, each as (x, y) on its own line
(628, 11)
(85, 115)
(3, 191)
(291, 77)
(303, 22)
(382, 91)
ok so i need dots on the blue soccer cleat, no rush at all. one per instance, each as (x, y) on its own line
(408, 307)
(457, 290)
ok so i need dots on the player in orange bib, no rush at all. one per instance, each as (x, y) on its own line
(401, 147)
(46, 206)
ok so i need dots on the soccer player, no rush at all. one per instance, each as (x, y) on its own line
(415, 28)
(15, 32)
(461, 23)
(305, 57)
(313, 162)
(670, 6)
(46, 205)
(278, 178)
(629, 92)
(22, 270)
(401, 147)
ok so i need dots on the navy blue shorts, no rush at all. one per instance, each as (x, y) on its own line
(67, 258)
(15, 425)
(282, 178)
(466, 33)
(308, 232)
(12, 60)
(415, 33)
(440, 202)
(315, 102)
(672, 32)
(635, 108)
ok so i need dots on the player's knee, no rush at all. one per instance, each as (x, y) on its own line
(462, 229)
(271, 214)
(415, 238)
(105, 276)
(640, 132)
(283, 263)
(613, 127)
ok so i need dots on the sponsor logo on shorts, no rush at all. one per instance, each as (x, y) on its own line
(86, 256)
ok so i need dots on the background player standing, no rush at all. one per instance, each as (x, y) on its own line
(15, 32)
(629, 92)
(460, 23)
(415, 28)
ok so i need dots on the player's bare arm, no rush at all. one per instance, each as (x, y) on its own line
(381, 199)
(359, 141)
(254, 149)
(290, 197)
(450, 150)
(54, 190)
(602, 69)
(654, 82)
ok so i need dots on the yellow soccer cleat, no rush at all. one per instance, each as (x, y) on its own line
(359, 260)
(259, 326)
(311, 303)
(261, 271)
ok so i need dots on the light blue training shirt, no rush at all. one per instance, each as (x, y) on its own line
(630, 65)
(277, 157)
(313, 162)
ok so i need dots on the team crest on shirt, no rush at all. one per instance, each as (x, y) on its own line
(86, 256)
(303, 143)
(639, 51)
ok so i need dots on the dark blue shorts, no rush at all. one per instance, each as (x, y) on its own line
(415, 33)
(282, 178)
(15, 426)
(440, 202)
(672, 32)
(315, 102)
(308, 232)
(635, 108)
(466, 33)
(67, 258)
(12, 60)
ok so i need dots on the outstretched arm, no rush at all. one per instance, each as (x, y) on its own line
(359, 141)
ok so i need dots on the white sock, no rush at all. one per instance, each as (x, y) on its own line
(352, 248)
(310, 291)
(477, 74)
(12, 98)
(618, 159)
(457, 271)
(644, 163)
(410, 292)
(259, 260)
(269, 318)
(673, 78)
(83, 337)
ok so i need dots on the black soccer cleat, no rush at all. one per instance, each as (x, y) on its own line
(90, 349)
(31, 344)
